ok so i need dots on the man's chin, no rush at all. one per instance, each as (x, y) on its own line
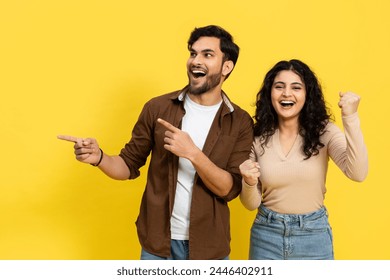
(196, 90)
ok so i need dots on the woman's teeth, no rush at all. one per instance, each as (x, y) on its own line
(286, 103)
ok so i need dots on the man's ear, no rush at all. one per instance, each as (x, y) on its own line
(227, 67)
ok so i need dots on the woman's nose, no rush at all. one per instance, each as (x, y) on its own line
(286, 92)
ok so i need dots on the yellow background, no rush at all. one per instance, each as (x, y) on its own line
(86, 68)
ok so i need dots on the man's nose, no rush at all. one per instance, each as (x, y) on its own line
(197, 60)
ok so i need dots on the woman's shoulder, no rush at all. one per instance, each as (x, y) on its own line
(330, 125)
(330, 130)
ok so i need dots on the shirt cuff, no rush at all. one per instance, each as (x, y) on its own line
(245, 185)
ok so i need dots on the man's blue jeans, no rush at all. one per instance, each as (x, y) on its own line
(179, 251)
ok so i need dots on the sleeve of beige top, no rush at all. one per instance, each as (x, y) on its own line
(349, 151)
(250, 196)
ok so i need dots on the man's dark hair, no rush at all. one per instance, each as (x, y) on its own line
(227, 46)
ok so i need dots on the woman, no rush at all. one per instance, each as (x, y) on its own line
(286, 173)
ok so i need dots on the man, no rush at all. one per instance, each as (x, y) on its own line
(198, 139)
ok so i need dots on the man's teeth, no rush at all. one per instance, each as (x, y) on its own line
(198, 73)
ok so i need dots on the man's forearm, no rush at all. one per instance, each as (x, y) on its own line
(217, 180)
(114, 167)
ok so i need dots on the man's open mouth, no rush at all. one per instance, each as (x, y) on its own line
(198, 73)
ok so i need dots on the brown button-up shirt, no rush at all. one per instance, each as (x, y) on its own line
(228, 144)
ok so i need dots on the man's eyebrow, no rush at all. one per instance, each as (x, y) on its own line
(203, 51)
(207, 50)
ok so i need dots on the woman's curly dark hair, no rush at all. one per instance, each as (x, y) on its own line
(312, 119)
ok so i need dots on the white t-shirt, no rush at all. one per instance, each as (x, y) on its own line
(196, 122)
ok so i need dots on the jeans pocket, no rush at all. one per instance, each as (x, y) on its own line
(330, 233)
(318, 225)
(261, 220)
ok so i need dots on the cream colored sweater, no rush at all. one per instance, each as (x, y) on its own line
(289, 184)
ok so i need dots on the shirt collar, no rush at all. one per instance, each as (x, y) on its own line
(182, 93)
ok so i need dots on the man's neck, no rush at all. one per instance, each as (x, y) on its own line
(209, 98)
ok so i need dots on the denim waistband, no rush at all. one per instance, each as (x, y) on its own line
(269, 214)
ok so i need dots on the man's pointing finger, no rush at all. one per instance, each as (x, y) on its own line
(70, 138)
(167, 125)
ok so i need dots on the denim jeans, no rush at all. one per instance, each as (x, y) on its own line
(179, 251)
(290, 236)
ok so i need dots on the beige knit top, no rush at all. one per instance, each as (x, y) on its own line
(289, 184)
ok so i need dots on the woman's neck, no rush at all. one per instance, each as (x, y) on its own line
(289, 127)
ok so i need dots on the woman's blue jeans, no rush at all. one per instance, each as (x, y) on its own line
(291, 236)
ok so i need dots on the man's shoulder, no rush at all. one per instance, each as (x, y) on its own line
(237, 107)
(233, 107)
(169, 95)
(164, 98)
(240, 111)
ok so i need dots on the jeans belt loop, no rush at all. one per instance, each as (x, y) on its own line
(300, 221)
(269, 217)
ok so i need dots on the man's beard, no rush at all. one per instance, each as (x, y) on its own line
(211, 82)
